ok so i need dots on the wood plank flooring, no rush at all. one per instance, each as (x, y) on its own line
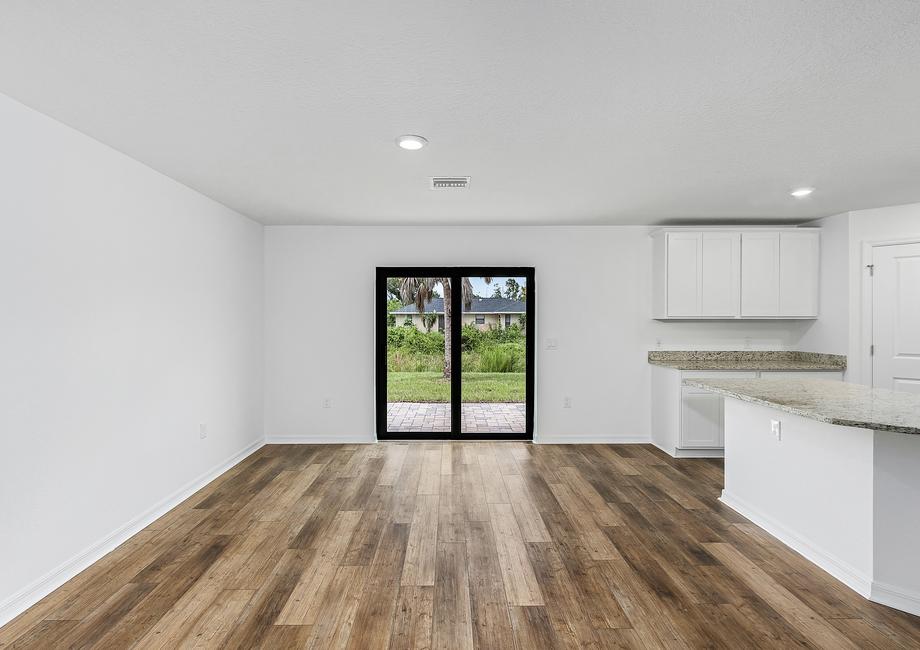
(457, 545)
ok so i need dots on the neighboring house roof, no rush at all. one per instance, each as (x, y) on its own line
(478, 306)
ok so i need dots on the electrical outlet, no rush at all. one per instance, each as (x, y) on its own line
(566, 402)
(776, 429)
(552, 344)
(747, 343)
(327, 403)
(202, 431)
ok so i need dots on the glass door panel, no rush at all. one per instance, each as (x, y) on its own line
(493, 355)
(418, 386)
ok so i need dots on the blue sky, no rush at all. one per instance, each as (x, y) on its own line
(483, 290)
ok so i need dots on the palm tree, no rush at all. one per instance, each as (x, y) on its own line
(421, 290)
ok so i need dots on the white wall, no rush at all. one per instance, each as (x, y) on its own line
(830, 332)
(839, 328)
(826, 515)
(130, 312)
(867, 226)
(319, 326)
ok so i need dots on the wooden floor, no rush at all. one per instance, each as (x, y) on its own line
(457, 545)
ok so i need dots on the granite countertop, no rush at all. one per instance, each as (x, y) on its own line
(834, 402)
(748, 360)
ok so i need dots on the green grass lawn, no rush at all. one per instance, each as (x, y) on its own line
(477, 387)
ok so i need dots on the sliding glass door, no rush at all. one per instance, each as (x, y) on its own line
(454, 353)
(493, 356)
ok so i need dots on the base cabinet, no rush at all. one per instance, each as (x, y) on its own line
(701, 423)
(689, 422)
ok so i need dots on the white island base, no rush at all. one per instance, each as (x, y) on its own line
(846, 498)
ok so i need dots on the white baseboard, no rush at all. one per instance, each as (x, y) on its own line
(699, 453)
(31, 594)
(842, 571)
(676, 452)
(591, 440)
(897, 597)
(545, 440)
(319, 440)
(668, 451)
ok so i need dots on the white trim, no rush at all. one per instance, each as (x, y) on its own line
(32, 593)
(591, 440)
(842, 571)
(677, 452)
(698, 453)
(866, 314)
(866, 330)
(732, 318)
(669, 451)
(913, 239)
(892, 596)
(653, 230)
(319, 440)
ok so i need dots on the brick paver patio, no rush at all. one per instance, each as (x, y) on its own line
(477, 417)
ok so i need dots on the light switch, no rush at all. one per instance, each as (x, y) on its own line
(776, 429)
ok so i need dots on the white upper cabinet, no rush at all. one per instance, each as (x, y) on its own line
(760, 274)
(721, 278)
(685, 254)
(722, 274)
(701, 274)
(798, 274)
(779, 274)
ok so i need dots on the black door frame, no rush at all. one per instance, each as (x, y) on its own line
(455, 273)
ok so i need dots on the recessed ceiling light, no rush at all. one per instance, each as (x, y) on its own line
(802, 192)
(411, 142)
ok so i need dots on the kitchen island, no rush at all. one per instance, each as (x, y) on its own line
(832, 470)
(686, 421)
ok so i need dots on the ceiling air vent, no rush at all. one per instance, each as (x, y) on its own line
(450, 182)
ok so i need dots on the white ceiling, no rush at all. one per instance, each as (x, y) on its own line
(632, 112)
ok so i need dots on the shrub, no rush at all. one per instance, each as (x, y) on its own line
(495, 360)
(409, 339)
(391, 317)
(402, 361)
(506, 357)
(470, 338)
(493, 350)
(473, 338)
(469, 362)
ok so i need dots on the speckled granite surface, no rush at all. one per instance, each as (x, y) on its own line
(834, 402)
(747, 360)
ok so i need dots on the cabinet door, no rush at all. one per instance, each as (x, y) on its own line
(798, 274)
(760, 274)
(700, 419)
(721, 274)
(684, 268)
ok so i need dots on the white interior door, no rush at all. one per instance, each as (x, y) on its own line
(896, 317)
